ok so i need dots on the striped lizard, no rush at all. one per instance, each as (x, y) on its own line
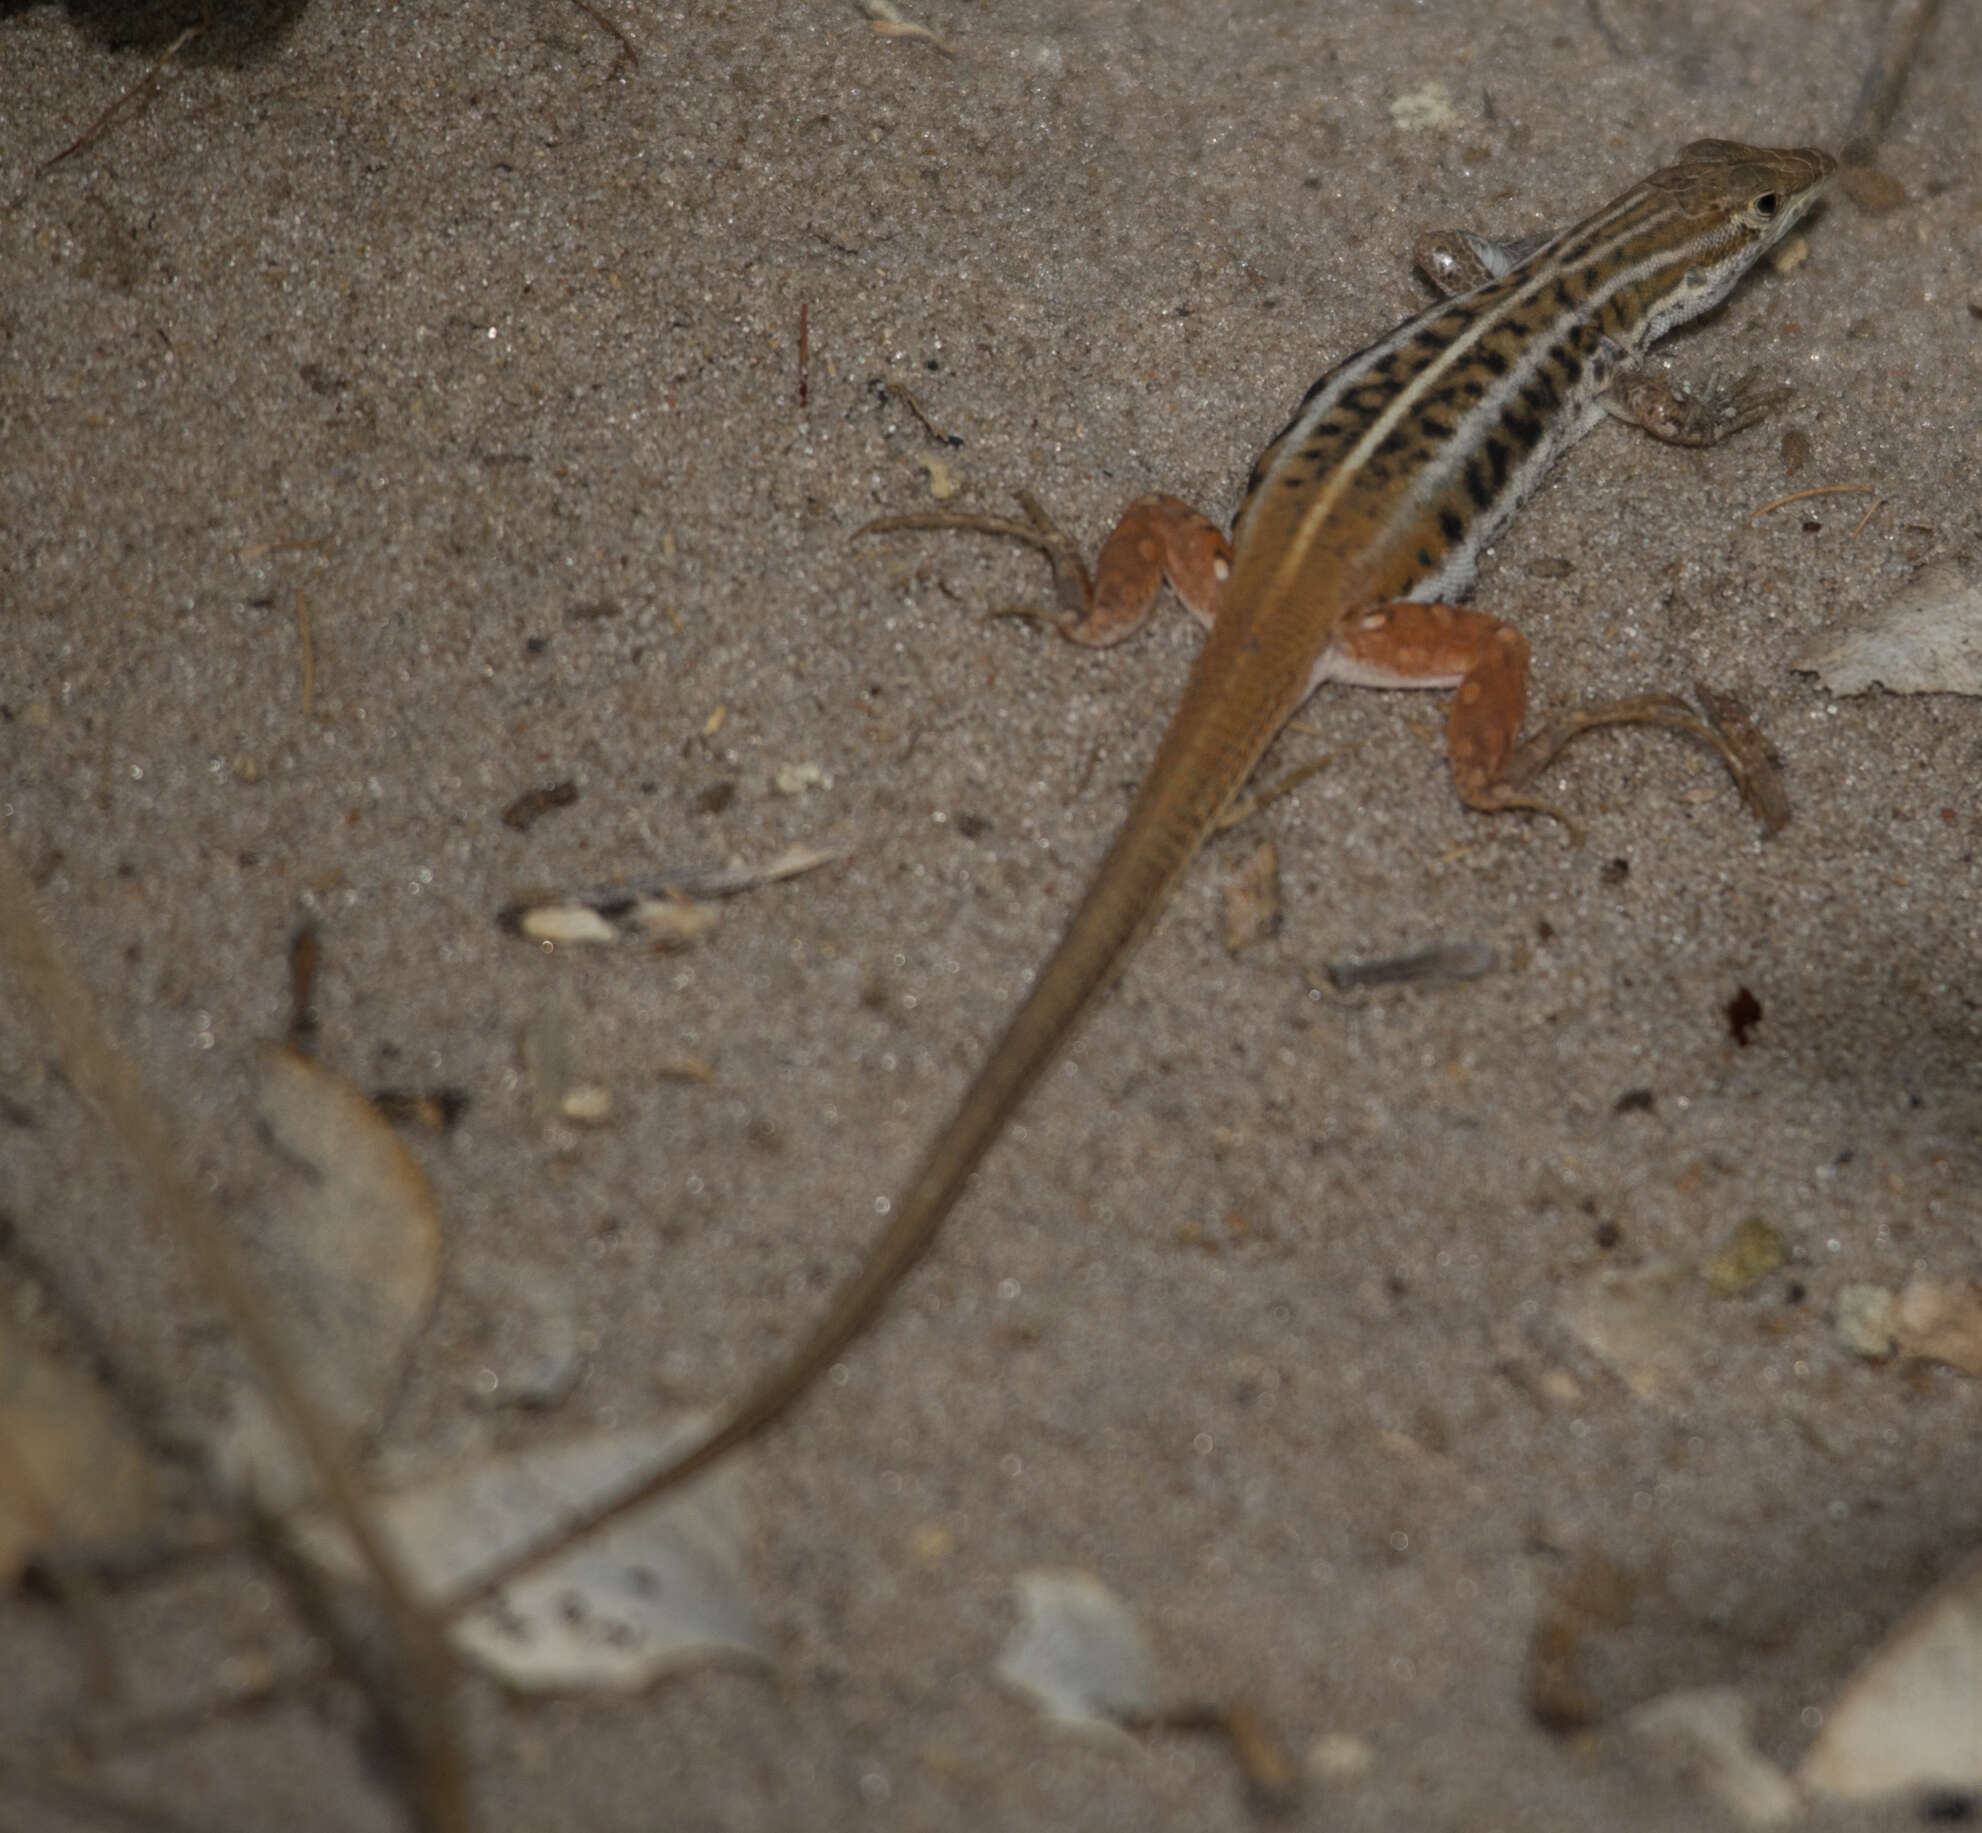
(1361, 522)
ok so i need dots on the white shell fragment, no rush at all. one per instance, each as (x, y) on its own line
(661, 1589)
(1077, 1652)
(1929, 641)
(665, 910)
(351, 1249)
(566, 925)
(1911, 1717)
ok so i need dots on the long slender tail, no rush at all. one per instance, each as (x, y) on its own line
(1232, 706)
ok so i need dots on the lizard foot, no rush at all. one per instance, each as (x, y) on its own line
(1731, 738)
(1717, 412)
(1071, 586)
(1158, 538)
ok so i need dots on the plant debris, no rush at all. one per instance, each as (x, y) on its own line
(1421, 967)
(1251, 903)
(1911, 1717)
(1928, 641)
(663, 909)
(73, 1481)
(661, 1589)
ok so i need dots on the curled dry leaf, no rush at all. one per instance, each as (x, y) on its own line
(72, 1480)
(1911, 1717)
(661, 1589)
(1078, 1653)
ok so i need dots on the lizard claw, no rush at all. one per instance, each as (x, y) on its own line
(1717, 412)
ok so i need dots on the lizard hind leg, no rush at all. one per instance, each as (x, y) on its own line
(1433, 645)
(1406, 644)
(1158, 538)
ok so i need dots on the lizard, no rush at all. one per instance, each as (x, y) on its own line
(1362, 522)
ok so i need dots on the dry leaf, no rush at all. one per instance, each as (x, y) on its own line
(72, 1480)
(1929, 641)
(351, 1253)
(1911, 1717)
(662, 1588)
(1078, 1652)
(1252, 899)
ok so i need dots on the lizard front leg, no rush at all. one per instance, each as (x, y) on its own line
(1157, 538)
(1456, 261)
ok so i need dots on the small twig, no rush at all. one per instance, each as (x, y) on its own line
(1272, 1776)
(302, 1031)
(626, 53)
(804, 355)
(1803, 496)
(1877, 504)
(1442, 961)
(117, 107)
(309, 656)
(257, 550)
(929, 426)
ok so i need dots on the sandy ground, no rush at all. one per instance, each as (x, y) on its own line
(482, 347)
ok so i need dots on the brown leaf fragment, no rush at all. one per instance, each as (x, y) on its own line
(1744, 1013)
(534, 804)
(303, 985)
(1594, 1595)
(429, 1110)
(1252, 900)
(1873, 189)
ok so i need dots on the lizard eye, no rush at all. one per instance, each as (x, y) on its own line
(1766, 205)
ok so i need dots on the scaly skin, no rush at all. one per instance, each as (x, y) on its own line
(1361, 519)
